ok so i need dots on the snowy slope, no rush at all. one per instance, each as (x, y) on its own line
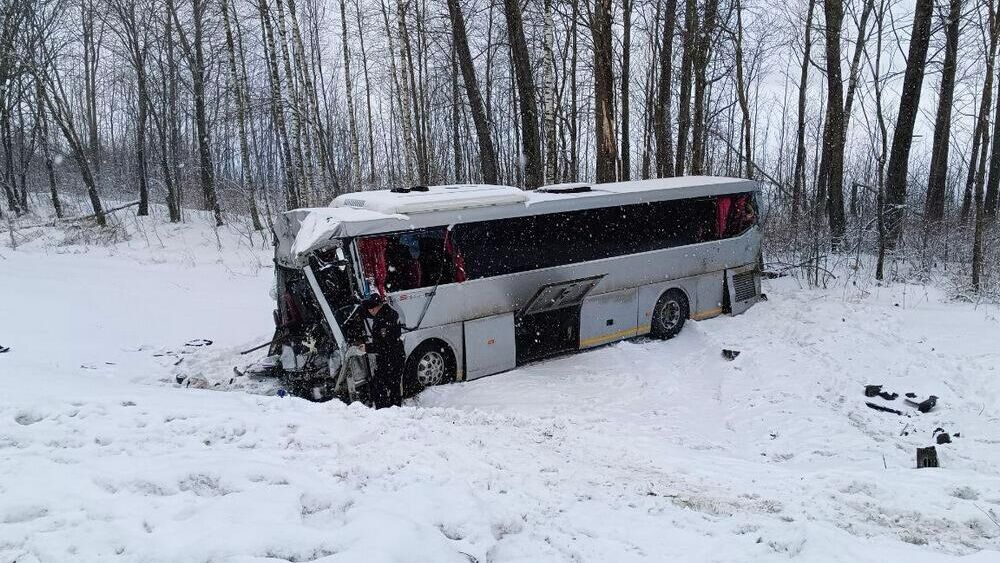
(638, 451)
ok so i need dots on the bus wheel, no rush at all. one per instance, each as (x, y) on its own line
(671, 311)
(432, 363)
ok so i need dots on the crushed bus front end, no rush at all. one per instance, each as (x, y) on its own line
(317, 320)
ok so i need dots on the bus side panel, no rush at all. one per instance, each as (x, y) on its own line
(709, 301)
(490, 345)
(451, 334)
(608, 317)
(650, 294)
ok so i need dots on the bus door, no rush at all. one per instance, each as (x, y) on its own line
(550, 322)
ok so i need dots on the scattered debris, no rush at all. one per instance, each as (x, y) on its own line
(943, 437)
(904, 431)
(911, 395)
(923, 406)
(927, 457)
(884, 409)
(198, 342)
(876, 391)
(730, 354)
(4, 349)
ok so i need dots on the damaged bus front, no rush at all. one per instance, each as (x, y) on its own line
(318, 319)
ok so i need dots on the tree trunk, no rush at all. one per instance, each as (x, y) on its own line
(487, 155)
(934, 208)
(833, 134)
(742, 93)
(604, 92)
(799, 175)
(241, 118)
(687, 56)
(298, 138)
(413, 95)
(292, 197)
(980, 136)
(348, 86)
(549, 83)
(456, 116)
(91, 58)
(574, 120)
(993, 185)
(661, 115)
(626, 168)
(908, 105)
(652, 96)
(198, 69)
(859, 50)
(703, 56)
(526, 92)
(372, 178)
(45, 139)
(55, 100)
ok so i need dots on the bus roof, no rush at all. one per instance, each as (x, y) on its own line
(301, 231)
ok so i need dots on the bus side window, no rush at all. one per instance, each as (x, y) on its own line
(736, 213)
(412, 260)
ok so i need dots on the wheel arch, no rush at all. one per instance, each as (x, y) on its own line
(451, 335)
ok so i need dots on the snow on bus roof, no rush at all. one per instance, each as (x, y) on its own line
(449, 197)
(364, 213)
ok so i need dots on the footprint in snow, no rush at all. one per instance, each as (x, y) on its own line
(19, 514)
(25, 418)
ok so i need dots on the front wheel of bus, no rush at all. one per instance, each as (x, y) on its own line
(432, 363)
(671, 311)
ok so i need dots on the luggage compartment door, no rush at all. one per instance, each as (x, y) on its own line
(489, 345)
(608, 317)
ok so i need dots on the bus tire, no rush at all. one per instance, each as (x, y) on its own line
(431, 363)
(671, 311)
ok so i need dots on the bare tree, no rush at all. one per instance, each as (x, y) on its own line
(934, 209)
(980, 135)
(194, 51)
(690, 44)
(908, 105)
(487, 156)
(604, 95)
(799, 174)
(661, 115)
(531, 145)
(834, 135)
(626, 158)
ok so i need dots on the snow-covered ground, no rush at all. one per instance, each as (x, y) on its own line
(638, 451)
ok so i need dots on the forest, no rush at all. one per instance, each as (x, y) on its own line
(871, 124)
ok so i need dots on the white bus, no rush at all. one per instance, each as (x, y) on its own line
(489, 277)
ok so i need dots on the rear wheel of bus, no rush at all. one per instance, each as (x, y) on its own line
(671, 311)
(432, 363)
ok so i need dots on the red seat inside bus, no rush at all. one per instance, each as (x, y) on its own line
(399, 262)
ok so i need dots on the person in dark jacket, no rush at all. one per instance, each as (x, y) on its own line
(387, 346)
